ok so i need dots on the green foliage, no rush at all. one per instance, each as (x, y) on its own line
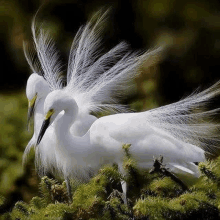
(15, 182)
(150, 196)
(11, 141)
(165, 187)
(2, 200)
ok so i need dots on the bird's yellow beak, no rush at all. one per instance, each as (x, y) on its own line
(45, 125)
(31, 105)
(49, 114)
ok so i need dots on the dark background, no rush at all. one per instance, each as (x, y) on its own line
(190, 27)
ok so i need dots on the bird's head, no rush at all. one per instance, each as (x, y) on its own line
(56, 102)
(36, 89)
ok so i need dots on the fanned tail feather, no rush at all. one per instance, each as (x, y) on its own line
(189, 121)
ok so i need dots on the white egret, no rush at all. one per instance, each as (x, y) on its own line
(37, 89)
(94, 80)
(171, 131)
(180, 135)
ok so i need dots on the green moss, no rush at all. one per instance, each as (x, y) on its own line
(208, 169)
(149, 196)
(38, 203)
(114, 209)
(182, 207)
(45, 188)
(189, 205)
(152, 207)
(165, 187)
(188, 202)
(89, 194)
(57, 210)
(20, 210)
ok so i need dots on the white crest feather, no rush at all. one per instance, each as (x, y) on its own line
(32, 60)
(48, 57)
(86, 47)
(97, 81)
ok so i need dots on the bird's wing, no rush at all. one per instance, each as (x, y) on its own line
(146, 140)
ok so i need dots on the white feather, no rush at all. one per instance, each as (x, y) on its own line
(32, 60)
(97, 80)
(94, 80)
(48, 57)
(188, 120)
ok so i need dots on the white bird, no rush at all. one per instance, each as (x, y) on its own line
(174, 131)
(94, 80)
(180, 136)
(37, 89)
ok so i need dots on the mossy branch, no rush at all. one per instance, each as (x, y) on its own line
(151, 197)
(160, 168)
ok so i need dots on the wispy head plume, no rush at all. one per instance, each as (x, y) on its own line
(48, 56)
(98, 80)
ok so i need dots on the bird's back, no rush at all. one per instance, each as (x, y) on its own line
(146, 139)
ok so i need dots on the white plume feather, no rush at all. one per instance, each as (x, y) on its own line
(32, 59)
(189, 121)
(86, 47)
(48, 57)
(97, 80)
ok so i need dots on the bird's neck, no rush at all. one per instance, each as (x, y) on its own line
(69, 143)
(63, 124)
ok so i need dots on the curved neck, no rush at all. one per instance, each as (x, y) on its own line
(64, 122)
(70, 144)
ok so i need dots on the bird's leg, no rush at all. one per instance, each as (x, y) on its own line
(68, 187)
(123, 195)
(124, 190)
(123, 184)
